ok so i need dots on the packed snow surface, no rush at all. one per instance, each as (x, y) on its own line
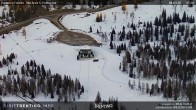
(103, 76)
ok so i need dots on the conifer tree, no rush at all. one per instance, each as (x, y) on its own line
(3, 36)
(111, 37)
(124, 46)
(113, 31)
(3, 14)
(169, 88)
(100, 17)
(189, 92)
(129, 83)
(135, 4)
(98, 98)
(124, 8)
(152, 90)
(156, 34)
(111, 45)
(97, 18)
(184, 17)
(4, 61)
(128, 57)
(1, 104)
(82, 89)
(147, 88)
(1, 65)
(52, 94)
(23, 87)
(156, 22)
(90, 29)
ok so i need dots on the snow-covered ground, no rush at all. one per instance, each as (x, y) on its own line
(103, 76)
(143, 13)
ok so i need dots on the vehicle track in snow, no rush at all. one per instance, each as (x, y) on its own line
(84, 74)
(109, 79)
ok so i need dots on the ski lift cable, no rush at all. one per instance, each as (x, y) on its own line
(23, 49)
(22, 97)
(34, 60)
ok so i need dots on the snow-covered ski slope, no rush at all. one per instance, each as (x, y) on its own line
(142, 13)
(103, 76)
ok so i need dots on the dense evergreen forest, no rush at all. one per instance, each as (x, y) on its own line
(33, 79)
(165, 50)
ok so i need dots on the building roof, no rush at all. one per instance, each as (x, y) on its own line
(85, 47)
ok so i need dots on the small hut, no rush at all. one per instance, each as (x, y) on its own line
(85, 52)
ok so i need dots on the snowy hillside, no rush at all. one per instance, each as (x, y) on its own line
(144, 13)
(61, 58)
(103, 76)
(115, 19)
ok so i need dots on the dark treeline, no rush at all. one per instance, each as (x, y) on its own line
(34, 79)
